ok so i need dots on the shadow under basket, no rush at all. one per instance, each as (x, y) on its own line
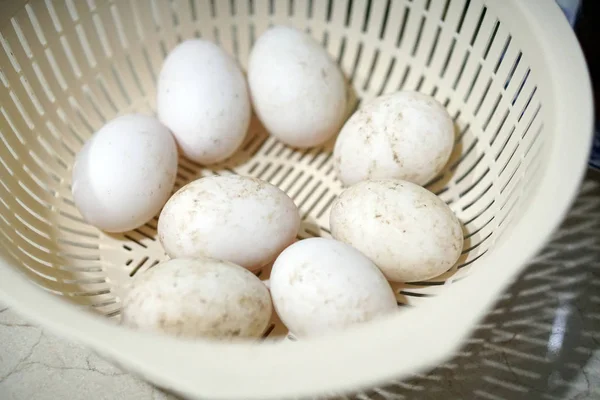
(510, 74)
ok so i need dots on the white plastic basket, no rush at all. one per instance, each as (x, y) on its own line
(510, 73)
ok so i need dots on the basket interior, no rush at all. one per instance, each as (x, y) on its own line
(68, 67)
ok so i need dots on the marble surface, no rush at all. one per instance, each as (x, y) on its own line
(542, 341)
(35, 365)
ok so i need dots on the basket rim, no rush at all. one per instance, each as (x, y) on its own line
(325, 365)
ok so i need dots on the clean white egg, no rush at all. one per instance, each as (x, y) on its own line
(321, 285)
(404, 135)
(124, 174)
(203, 99)
(298, 91)
(239, 219)
(409, 232)
(195, 298)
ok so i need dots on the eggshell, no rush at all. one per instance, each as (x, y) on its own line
(203, 98)
(321, 285)
(239, 219)
(405, 229)
(404, 135)
(198, 298)
(124, 174)
(297, 90)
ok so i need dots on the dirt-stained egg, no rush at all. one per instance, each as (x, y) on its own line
(203, 98)
(298, 91)
(124, 173)
(403, 135)
(239, 219)
(409, 232)
(321, 285)
(196, 298)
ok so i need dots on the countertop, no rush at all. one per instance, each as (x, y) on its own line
(542, 341)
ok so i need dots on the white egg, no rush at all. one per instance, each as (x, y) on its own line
(124, 174)
(404, 135)
(321, 285)
(239, 219)
(198, 298)
(203, 98)
(405, 229)
(297, 90)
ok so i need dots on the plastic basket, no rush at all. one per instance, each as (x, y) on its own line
(509, 72)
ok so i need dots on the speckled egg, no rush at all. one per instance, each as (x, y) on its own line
(404, 135)
(409, 232)
(195, 298)
(239, 219)
(321, 285)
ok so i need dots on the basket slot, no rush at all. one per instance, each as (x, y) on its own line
(73, 54)
(300, 186)
(46, 282)
(142, 79)
(531, 113)
(223, 30)
(525, 107)
(518, 80)
(50, 266)
(507, 154)
(139, 15)
(291, 181)
(186, 13)
(308, 191)
(389, 55)
(271, 178)
(318, 14)
(282, 178)
(425, 42)
(26, 237)
(166, 22)
(387, 75)
(300, 14)
(15, 144)
(139, 265)
(441, 59)
(263, 170)
(260, 7)
(83, 119)
(372, 19)
(319, 199)
(244, 38)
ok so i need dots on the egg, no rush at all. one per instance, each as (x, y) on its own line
(203, 98)
(124, 173)
(406, 230)
(195, 298)
(321, 285)
(239, 219)
(404, 135)
(297, 90)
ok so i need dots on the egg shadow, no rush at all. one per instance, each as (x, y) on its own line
(352, 99)
(309, 228)
(255, 138)
(189, 170)
(404, 291)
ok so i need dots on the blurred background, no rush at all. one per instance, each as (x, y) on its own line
(583, 16)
